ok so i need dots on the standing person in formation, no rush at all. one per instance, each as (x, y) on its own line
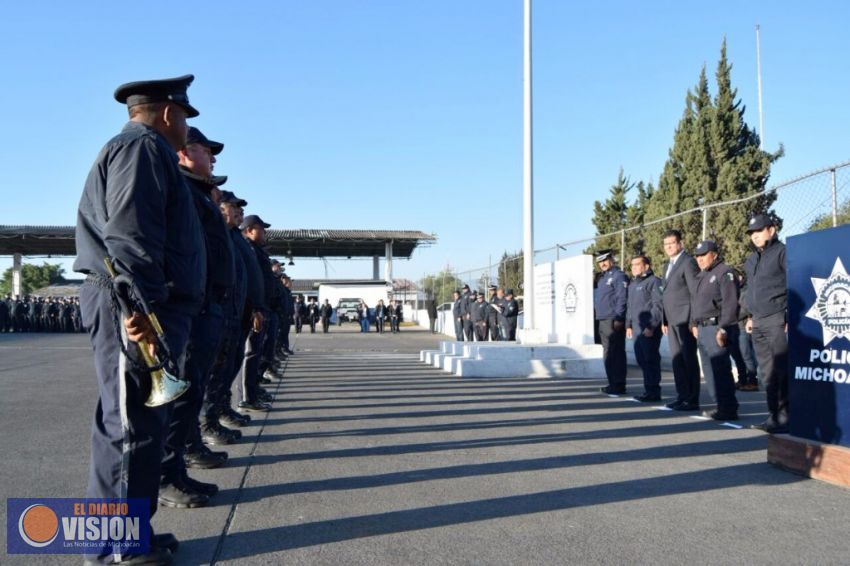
(610, 306)
(643, 323)
(287, 313)
(748, 375)
(714, 322)
(300, 313)
(466, 305)
(510, 314)
(678, 285)
(457, 315)
(767, 301)
(313, 314)
(493, 314)
(395, 316)
(380, 316)
(326, 312)
(363, 316)
(137, 211)
(479, 313)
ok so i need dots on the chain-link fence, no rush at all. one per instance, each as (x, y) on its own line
(819, 199)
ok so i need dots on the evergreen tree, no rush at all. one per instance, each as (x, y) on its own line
(441, 286)
(510, 274)
(742, 168)
(823, 221)
(611, 216)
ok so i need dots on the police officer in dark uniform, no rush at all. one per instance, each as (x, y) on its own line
(509, 316)
(4, 314)
(479, 313)
(643, 323)
(395, 313)
(217, 412)
(767, 301)
(493, 314)
(137, 210)
(325, 313)
(177, 489)
(609, 301)
(287, 312)
(678, 282)
(714, 314)
(300, 313)
(457, 315)
(312, 314)
(253, 396)
(466, 307)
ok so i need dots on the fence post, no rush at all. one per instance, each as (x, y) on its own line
(704, 223)
(834, 201)
(557, 251)
(623, 247)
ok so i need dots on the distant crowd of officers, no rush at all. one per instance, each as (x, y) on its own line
(380, 316)
(40, 314)
(479, 318)
(701, 305)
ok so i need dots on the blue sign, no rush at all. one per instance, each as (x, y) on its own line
(819, 335)
(77, 526)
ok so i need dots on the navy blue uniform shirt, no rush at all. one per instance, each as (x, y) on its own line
(644, 303)
(716, 295)
(766, 285)
(609, 298)
(256, 291)
(137, 210)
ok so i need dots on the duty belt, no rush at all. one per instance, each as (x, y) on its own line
(708, 322)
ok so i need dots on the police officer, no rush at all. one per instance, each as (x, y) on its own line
(767, 302)
(643, 323)
(4, 314)
(457, 315)
(300, 313)
(137, 210)
(177, 489)
(312, 314)
(493, 313)
(253, 396)
(326, 312)
(610, 306)
(217, 412)
(287, 312)
(679, 282)
(714, 323)
(478, 314)
(466, 307)
(509, 316)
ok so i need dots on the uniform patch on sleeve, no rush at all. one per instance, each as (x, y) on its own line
(730, 276)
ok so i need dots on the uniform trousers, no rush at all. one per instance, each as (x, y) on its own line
(649, 359)
(223, 372)
(481, 331)
(614, 352)
(683, 350)
(459, 329)
(717, 366)
(771, 345)
(468, 330)
(184, 429)
(250, 370)
(127, 436)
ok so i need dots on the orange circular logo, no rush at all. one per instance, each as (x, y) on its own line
(38, 525)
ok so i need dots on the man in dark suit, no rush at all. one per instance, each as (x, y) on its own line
(678, 285)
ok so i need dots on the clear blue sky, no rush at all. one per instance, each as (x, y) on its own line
(402, 114)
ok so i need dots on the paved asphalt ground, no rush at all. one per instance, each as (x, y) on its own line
(370, 457)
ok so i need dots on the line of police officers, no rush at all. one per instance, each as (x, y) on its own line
(40, 314)
(700, 306)
(153, 206)
(477, 319)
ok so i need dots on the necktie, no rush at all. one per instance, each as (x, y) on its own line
(669, 270)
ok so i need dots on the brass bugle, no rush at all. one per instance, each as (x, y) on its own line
(165, 387)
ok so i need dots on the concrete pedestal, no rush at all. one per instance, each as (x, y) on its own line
(825, 462)
(508, 359)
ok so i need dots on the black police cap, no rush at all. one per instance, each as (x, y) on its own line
(161, 90)
(253, 220)
(229, 197)
(218, 180)
(509, 291)
(759, 222)
(704, 247)
(196, 136)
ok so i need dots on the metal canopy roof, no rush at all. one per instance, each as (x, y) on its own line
(59, 241)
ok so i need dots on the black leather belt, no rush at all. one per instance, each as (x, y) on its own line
(708, 322)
